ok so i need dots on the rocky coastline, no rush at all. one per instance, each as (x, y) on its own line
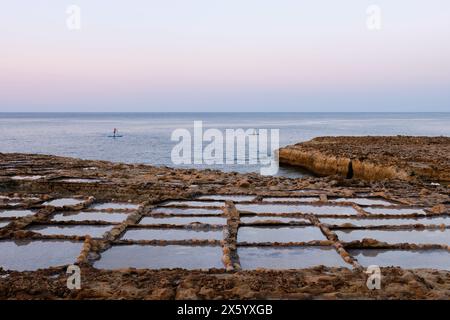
(32, 182)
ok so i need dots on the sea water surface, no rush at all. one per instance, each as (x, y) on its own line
(147, 136)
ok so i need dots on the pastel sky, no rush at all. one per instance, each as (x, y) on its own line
(224, 55)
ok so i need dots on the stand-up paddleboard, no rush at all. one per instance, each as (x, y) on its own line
(115, 134)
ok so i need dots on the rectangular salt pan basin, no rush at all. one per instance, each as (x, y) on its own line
(63, 202)
(13, 204)
(291, 199)
(234, 198)
(115, 206)
(284, 208)
(172, 234)
(387, 222)
(183, 220)
(390, 211)
(279, 234)
(16, 213)
(186, 211)
(33, 255)
(26, 178)
(80, 180)
(160, 257)
(3, 223)
(195, 203)
(70, 230)
(288, 258)
(364, 201)
(407, 259)
(90, 216)
(272, 218)
(398, 236)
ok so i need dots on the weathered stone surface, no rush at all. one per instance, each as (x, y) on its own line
(319, 283)
(150, 186)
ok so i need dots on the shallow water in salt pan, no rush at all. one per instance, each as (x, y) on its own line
(90, 216)
(186, 211)
(291, 199)
(16, 213)
(75, 180)
(183, 220)
(364, 201)
(284, 208)
(159, 257)
(272, 218)
(71, 230)
(63, 202)
(234, 198)
(195, 203)
(37, 254)
(387, 222)
(115, 206)
(172, 234)
(398, 236)
(394, 211)
(279, 234)
(289, 258)
(26, 177)
(14, 204)
(408, 259)
(4, 224)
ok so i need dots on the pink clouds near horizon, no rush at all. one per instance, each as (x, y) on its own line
(196, 54)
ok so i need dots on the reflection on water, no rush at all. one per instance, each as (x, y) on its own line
(291, 199)
(397, 236)
(172, 234)
(16, 213)
(394, 211)
(387, 222)
(195, 203)
(26, 178)
(234, 198)
(365, 201)
(90, 216)
(37, 254)
(159, 257)
(279, 234)
(3, 223)
(63, 202)
(69, 230)
(183, 220)
(408, 259)
(114, 205)
(272, 218)
(75, 180)
(288, 208)
(186, 211)
(289, 258)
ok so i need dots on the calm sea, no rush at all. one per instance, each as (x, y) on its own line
(147, 136)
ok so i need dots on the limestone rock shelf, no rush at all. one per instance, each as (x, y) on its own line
(374, 158)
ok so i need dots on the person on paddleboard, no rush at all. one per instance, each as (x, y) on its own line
(114, 132)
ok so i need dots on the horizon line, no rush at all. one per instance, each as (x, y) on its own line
(217, 112)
